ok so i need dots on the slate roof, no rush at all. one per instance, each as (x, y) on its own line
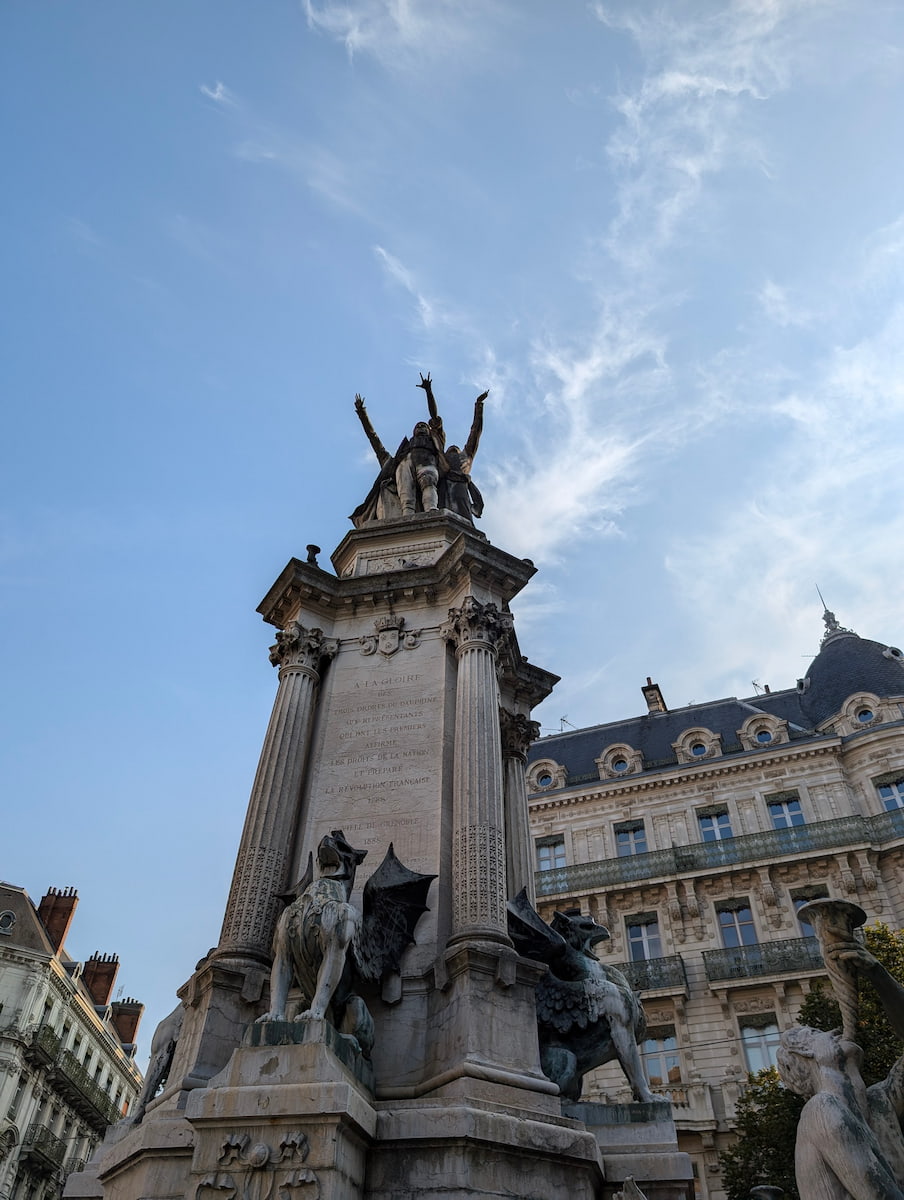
(845, 664)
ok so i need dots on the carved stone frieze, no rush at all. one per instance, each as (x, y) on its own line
(518, 732)
(476, 622)
(297, 646)
(257, 1171)
(389, 636)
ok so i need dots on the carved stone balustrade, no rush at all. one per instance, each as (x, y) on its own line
(767, 958)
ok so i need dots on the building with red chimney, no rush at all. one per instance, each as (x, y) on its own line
(67, 1049)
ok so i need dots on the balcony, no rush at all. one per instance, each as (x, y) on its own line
(651, 973)
(43, 1150)
(767, 958)
(42, 1046)
(705, 856)
(89, 1100)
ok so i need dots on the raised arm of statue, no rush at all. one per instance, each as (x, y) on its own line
(476, 427)
(436, 422)
(383, 455)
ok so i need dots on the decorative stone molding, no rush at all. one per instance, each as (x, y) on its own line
(762, 731)
(618, 760)
(389, 637)
(546, 774)
(257, 1170)
(476, 622)
(301, 648)
(697, 745)
(863, 710)
(518, 733)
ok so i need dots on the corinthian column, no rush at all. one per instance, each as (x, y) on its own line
(266, 844)
(478, 834)
(518, 731)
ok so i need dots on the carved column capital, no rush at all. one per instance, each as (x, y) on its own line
(476, 622)
(518, 732)
(302, 648)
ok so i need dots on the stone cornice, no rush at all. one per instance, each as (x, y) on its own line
(468, 557)
(679, 775)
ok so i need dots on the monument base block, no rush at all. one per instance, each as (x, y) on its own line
(638, 1140)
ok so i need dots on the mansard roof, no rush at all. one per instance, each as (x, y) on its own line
(846, 664)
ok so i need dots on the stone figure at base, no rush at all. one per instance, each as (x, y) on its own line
(422, 475)
(849, 1137)
(163, 1049)
(587, 1013)
(327, 946)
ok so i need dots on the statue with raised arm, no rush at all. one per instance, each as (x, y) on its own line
(423, 475)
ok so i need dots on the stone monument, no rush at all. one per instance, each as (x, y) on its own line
(388, 1048)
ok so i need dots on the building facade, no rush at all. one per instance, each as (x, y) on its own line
(696, 834)
(67, 1067)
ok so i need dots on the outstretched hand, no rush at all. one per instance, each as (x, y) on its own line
(852, 954)
(426, 382)
(480, 399)
(359, 402)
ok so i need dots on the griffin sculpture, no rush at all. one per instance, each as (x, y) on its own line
(587, 1013)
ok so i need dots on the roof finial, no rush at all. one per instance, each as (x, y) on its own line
(833, 626)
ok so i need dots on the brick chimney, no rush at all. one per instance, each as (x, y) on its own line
(99, 975)
(126, 1016)
(55, 911)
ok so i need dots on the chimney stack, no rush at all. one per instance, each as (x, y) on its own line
(99, 976)
(55, 911)
(653, 697)
(126, 1016)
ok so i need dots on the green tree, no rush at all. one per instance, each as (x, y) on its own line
(766, 1125)
(767, 1113)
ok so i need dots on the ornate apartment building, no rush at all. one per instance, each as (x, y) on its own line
(696, 834)
(67, 1067)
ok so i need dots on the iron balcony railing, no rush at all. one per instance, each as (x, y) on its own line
(766, 958)
(43, 1147)
(43, 1045)
(702, 856)
(651, 973)
(88, 1097)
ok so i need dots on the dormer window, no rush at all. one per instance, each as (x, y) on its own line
(697, 744)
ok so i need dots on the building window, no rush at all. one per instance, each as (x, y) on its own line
(550, 854)
(715, 824)
(736, 923)
(661, 1059)
(760, 1039)
(785, 812)
(801, 897)
(644, 940)
(630, 838)
(763, 736)
(7, 921)
(892, 794)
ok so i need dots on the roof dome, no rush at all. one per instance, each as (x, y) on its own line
(845, 664)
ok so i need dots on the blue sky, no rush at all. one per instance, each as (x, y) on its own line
(668, 238)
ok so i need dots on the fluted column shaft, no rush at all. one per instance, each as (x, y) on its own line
(518, 731)
(266, 844)
(478, 845)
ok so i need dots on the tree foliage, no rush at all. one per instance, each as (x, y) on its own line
(766, 1124)
(767, 1113)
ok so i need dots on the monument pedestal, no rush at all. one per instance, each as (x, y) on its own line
(638, 1140)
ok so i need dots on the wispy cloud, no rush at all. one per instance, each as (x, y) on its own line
(402, 34)
(430, 313)
(220, 94)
